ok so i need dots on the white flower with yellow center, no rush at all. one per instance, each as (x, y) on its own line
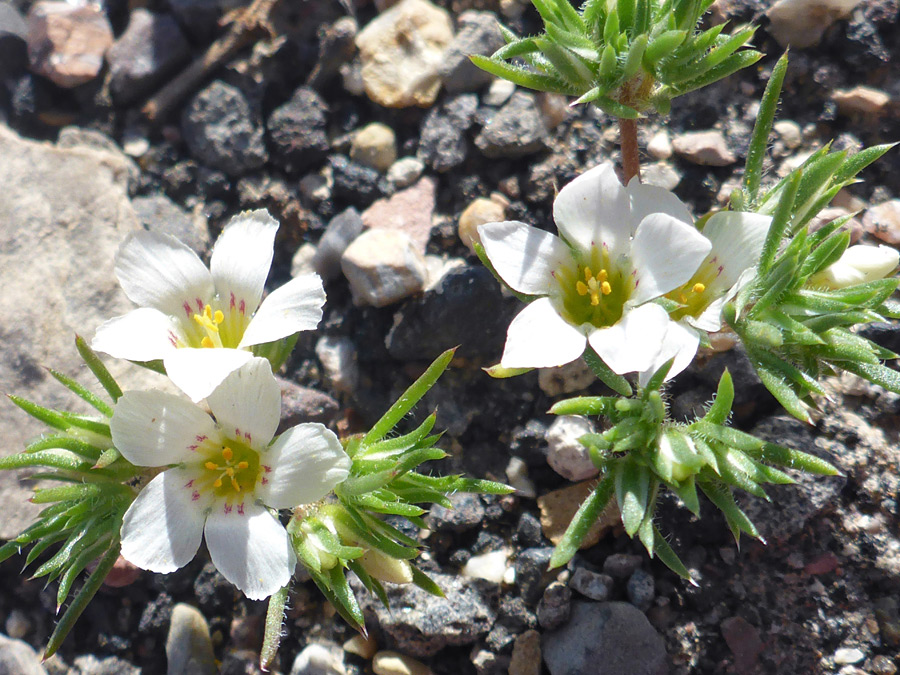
(202, 322)
(224, 478)
(619, 248)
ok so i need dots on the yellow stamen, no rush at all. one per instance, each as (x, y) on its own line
(699, 288)
(212, 466)
(581, 288)
(227, 453)
(206, 342)
(606, 288)
(243, 465)
(217, 483)
(234, 484)
(602, 275)
(219, 316)
(588, 275)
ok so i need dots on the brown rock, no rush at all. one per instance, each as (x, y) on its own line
(744, 642)
(707, 148)
(526, 654)
(409, 211)
(883, 221)
(861, 101)
(559, 507)
(66, 43)
(478, 212)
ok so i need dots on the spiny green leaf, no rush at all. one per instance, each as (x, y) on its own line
(273, 627)
(605, 374)
(582, 521)
(721, 407)
(632, 493)
(780, 221)
(668, 557)
(756, 151)
(92, 361)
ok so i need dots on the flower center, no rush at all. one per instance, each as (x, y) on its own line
(696, 294)
(596, 298)
(230, 470)
(214, 324)
(209, 322)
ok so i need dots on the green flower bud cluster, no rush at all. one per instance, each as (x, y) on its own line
(625, 56)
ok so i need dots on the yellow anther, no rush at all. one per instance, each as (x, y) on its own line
(219, 316)
(227, 453)
(212, 466)
(206, 342)
(217, 483)
(581, 288)
(606, 288)
(588, 275)
(243, 465)
(595, 298)
(229, 471)
(699, 288)
(602, 275)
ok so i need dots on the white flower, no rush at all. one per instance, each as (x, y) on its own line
(737, 240)
(223, 475)
(857, 265)
(202, 322)
(619, 248)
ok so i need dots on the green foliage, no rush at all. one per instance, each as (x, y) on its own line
(350, 533)
(625, 57)
(89, 494)
(642, 451)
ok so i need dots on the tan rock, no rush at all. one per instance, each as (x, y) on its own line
(409, 211)
(479, 212)
(801, 23)
(383, 266)
(861, 100)
(526, 654)
(559, 506)
(707, 148)
(67, 42)
(660, 146)
(401, 51)
(393, 663)
(883, 221)
(375, 146)
(364, 647)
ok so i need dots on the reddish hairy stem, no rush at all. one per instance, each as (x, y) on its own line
(631, 161)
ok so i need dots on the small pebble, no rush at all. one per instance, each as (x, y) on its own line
(478, 212)
(383, 267)
(319, 659)
(405, 171)
(17, 624)
(592, 585)
(706, 148)
(848, 656)
(526, 654)
(189, 649)
(565, 454)
(660, 146)
(621, 565)
(361, 646)
(375, 146)
(641, 589)
(490, 566)
(555, 605)
(393, 663)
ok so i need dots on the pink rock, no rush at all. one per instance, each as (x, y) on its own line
(409, 211)
(66, 43)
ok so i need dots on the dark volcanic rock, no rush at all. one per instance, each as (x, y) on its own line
(427, 326)
(151, 48)
(479, 33)
(297, 131)
(467, 512)
(354, 182)
(442, 142)
(516, 130)
(222, 131)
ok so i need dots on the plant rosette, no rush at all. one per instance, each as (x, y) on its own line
(205, 323)
(619, 248)
(224, 478)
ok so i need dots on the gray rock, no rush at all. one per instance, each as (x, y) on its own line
(75, 137)
(426, 326)
(442, 140)
(111, 665)
(320, 659)
(336, 47)
(18, 658)
(297, 131)
(301, 404)
(149, 50)
(801, 23)
(592, 585)
(404, 172)
(528, 530)
(354, 182)
(13, 34)
(63, 215)
(158, 213)
(555, 606)
(189, 648)
(421, 624)
(707, 148)
(531, 566)
(342, 229)
(621, 565)
(383, 266)
(467, 512)
(565, 455)
(222, 131)
(607, 638)
(339, 360)
(641, 589)
(516, 130)
(479, 33)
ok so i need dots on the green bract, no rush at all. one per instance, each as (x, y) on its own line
(625, 56)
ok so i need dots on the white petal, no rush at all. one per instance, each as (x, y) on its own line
(595, 209)
(737, 239)
(306, 462)
(631, 344)
(242, 256)
(710, 319)
(665, 253)
(163, 526)
(251, 549)
(680, 342)
(539, 337)
(152, 428)
(287, 310)
(647, 199)
(247, 404)
(198, 371)
(144, 334)
(524, 256)
(157, 270)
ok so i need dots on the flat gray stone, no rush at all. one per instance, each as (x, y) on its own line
(18, 658)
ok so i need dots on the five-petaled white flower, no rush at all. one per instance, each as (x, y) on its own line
(224, 475)
(619, 248)
(202, 322)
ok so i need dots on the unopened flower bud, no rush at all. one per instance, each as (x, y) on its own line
(858, 265)
(385, 568)
(677, 456)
